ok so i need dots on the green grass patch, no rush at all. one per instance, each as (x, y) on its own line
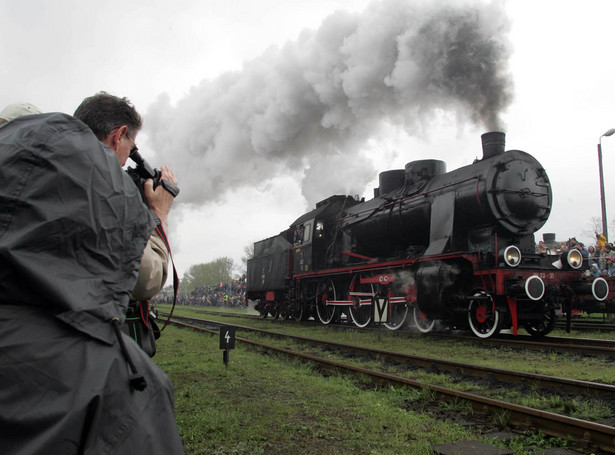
(262, 404)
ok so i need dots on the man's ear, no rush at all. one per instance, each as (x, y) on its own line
(114, 137)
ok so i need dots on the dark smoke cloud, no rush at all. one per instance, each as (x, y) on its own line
(313, 103)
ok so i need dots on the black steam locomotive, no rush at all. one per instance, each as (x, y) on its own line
(455, 247)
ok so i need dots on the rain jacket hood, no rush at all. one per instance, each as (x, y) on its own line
(72, 223)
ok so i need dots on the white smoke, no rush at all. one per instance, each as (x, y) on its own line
(311, 104)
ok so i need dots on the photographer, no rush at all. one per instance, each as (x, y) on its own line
(116, 124)
(73, 230)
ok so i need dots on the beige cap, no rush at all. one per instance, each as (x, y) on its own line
(12, 111)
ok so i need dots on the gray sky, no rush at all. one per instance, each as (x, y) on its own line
(263, 108)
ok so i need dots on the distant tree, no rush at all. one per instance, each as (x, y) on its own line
(595, 225)
(248, 253)
(209, 274)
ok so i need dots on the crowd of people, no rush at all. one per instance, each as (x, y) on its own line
(229, 295)
(598, 259)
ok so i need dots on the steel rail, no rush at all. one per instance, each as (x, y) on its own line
(574, 341)
(590, 326)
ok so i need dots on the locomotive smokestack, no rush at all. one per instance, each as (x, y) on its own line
(493, 143)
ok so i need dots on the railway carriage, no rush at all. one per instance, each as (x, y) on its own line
(431, 246)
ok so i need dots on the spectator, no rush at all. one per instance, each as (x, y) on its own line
(600, 241)
(235, 293)
(584, 253)
(72, 239)
(610, 267)
(594, 270)
(592, 256)
(605, 253)
(12, 111)
(542, 248)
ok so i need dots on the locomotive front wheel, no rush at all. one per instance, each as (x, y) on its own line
(423, 323)
(361, 314)
(399, 313)
(325, 291)
(542, 327)
(483, 318)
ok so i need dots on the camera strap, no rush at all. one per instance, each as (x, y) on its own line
(165, 239)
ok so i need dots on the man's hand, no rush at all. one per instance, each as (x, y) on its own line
(160, 200)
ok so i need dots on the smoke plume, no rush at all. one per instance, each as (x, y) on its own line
(311, 104)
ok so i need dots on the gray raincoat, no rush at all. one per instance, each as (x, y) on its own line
(72, 232)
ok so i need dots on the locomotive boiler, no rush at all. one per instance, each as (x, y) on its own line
(456, 247)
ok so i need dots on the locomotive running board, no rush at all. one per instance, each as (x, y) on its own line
(339, 302)
(363, 301)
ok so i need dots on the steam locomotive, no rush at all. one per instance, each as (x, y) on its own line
(455, 247)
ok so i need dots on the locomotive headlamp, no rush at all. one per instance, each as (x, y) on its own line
(574, 259)
(512, 256)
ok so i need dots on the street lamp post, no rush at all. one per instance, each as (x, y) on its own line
(602, 201)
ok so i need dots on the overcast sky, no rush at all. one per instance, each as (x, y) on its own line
(264, 108)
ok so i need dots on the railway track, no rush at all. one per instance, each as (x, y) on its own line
(589, 326)
(565, 345)
(562, 345)
(595, 434)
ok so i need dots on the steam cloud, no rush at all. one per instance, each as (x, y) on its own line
(313, 103)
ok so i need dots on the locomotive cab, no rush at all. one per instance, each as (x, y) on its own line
(318, 227)
(309, 251)
(302, 247)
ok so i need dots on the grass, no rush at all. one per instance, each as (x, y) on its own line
(261, 404)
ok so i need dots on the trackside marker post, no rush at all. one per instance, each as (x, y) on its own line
(227, 341)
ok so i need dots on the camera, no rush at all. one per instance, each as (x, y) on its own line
(144, 171)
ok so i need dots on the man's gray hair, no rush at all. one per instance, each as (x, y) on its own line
(104, 112)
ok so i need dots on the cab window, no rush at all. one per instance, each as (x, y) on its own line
(307, 232)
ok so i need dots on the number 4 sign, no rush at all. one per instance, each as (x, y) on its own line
(227, 341)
